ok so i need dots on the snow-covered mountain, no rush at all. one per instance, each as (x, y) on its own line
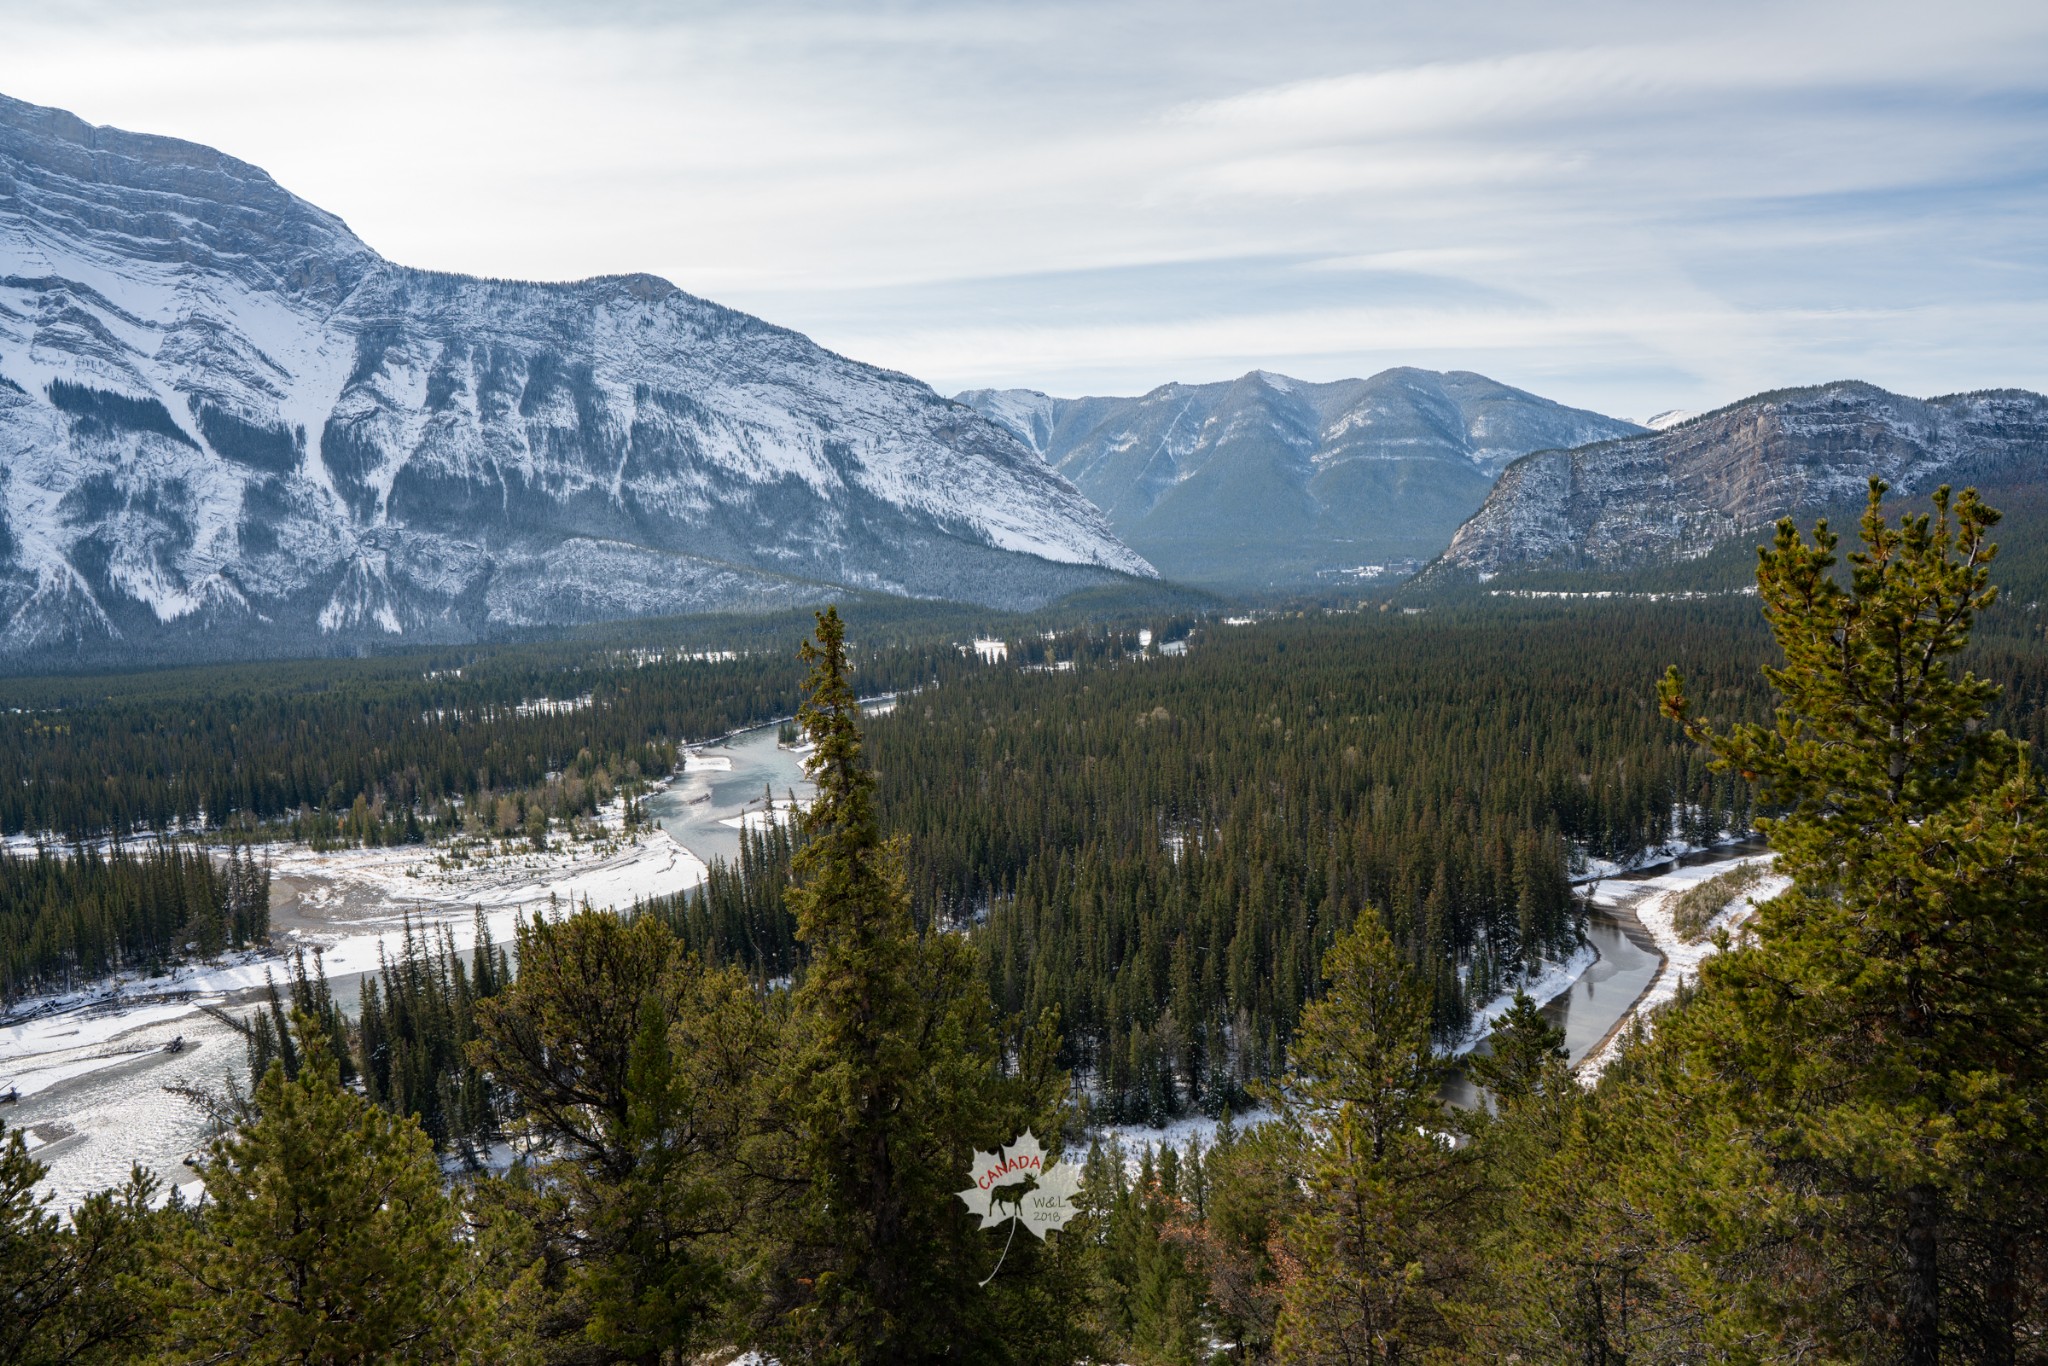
(1678, 493)
(1267, 481)
(228, 426)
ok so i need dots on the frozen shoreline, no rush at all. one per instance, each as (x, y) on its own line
(1653, 910)
(92, 1065)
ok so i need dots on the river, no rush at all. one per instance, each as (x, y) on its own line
(93, 1082)
(1603, 997)
(1601, 1000)
(725, 784)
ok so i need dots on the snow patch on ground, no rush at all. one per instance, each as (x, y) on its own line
(1138, 1139)
(1548, 982)
(612, 870)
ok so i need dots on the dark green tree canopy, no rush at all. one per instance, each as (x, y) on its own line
(1882, 1036)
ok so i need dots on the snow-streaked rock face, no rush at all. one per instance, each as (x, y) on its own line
(228, 425)
(1267, 480)
(1677, 493)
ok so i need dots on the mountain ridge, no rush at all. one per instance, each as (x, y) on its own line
(231, 425)
(1729, 472)
(1267, 481)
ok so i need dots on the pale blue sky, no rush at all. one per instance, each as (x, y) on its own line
(1629, 206)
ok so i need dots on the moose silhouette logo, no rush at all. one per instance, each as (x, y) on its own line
(1017, 1185)
(1012, 1193)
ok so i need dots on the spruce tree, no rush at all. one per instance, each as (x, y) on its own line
(890, 1082)
(1526, 1055)
(1881, 1039)
(1374, 1246)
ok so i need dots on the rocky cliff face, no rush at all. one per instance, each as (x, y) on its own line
(1677, 493)
(227, 426)
(1267, 481)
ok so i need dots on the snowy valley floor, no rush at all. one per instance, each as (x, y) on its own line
(106, 1075)
(100, 1088)
(92, 1067)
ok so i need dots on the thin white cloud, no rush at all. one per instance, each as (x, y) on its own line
(1436, 97)
(1644, 206)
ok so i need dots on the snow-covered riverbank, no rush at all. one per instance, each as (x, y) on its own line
(1652, 901)
(90, 1068)
(1586, 870)
(1548, 982)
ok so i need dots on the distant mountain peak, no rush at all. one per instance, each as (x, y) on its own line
(1270, 481)
(1676, 493)
(232, 426)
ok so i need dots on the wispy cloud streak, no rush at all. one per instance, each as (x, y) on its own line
(1630, 207)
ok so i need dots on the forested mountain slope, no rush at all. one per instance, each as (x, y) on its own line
(1266, 481)
(228, 426)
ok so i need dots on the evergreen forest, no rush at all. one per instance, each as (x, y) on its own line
(1131, 871)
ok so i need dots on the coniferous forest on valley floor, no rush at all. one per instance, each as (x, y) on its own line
(1160, 845)
(1132, 870)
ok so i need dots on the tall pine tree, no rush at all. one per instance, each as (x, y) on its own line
(1882, 1042)
(325, 1235)
(631, 1064)
(891, 1079)
(1376, 1244)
